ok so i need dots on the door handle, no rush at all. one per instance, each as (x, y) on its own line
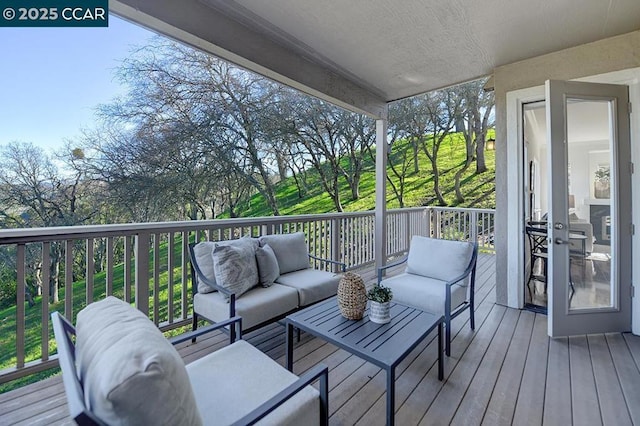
(560, 241)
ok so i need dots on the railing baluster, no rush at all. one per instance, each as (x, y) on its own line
(89, 270)
(109, 274)
(142, 271)
(68, 279)
(184, 290)
(128, 246)
(170, 266)
(156, 278)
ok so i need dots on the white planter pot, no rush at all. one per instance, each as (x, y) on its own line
(379, 312)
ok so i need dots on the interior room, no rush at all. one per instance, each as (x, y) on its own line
(590, 189)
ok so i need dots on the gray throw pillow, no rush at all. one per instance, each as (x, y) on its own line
(235, 267)
(290, 249)
(204, 257)
(268, 268)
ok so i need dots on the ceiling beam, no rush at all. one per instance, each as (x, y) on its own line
(195, 23)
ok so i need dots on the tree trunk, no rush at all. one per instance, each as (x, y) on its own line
(481, 165)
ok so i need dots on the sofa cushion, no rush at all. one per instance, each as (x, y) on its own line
(268, 268)
(236, 379)
(290, 250)
(424, 293)
(130, 373)
(235, 267)
(440, 259)
(312, 285)
(256, 306)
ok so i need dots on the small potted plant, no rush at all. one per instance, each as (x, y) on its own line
(380, 296)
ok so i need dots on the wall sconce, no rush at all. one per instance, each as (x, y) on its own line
(490, 145)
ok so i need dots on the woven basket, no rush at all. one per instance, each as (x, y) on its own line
(352, 296)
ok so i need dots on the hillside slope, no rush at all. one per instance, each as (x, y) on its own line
(478, 190)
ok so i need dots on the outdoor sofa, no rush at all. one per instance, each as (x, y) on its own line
(260, 279)
(122, 370)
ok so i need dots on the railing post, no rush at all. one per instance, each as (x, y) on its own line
(20, 298)
(428, 213)
(335, 242)
(474, 226)
(142, 247)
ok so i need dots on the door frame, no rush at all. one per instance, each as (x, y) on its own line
(514, 172)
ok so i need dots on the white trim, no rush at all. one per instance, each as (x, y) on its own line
(515, 185)
(515, 246)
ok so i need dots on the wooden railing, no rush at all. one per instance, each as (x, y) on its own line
(147, 264)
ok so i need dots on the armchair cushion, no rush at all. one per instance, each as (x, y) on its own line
(223, 395)
(424, 293)
(312, 285)
(290, 250)
(268, 268)
(439, 259)
(235, 267)
(130, 373)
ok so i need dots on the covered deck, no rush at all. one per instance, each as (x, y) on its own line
(506, 372)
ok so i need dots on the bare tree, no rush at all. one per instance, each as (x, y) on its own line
(34, 192)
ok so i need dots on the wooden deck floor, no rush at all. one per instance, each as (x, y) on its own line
(506, 372)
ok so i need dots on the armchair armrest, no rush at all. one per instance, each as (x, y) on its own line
(319, 372)
(343, 266)
(236, 321)
(390, 265)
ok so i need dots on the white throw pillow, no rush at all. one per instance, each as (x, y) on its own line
(202, 252)
(235, 267)
(290, 250)
(130, 373)
(268, 268)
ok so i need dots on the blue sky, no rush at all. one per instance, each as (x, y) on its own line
(53, 78)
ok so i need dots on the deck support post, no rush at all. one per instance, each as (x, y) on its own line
(380, 247)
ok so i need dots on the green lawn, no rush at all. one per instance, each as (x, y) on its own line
(479, 190)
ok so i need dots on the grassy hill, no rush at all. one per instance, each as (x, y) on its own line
(478, 190)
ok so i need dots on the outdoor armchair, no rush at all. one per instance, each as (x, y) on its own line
(439, 278)
(122, 370)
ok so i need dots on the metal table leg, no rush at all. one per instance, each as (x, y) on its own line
(289, 338)
(391, 394)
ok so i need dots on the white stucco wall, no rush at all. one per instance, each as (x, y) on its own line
(604, 56)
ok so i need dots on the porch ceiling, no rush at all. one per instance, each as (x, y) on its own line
(364, 53)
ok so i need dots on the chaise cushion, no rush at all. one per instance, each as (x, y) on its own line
(312, 285)
(424, 293)
(290, 250)
(256, 306)
(236, 379)
(439, 259)
(130, 373)
(235, 267)
(268, 268)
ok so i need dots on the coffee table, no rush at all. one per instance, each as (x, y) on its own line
(384, 345)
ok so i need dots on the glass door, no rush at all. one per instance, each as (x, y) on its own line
(589, 219)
